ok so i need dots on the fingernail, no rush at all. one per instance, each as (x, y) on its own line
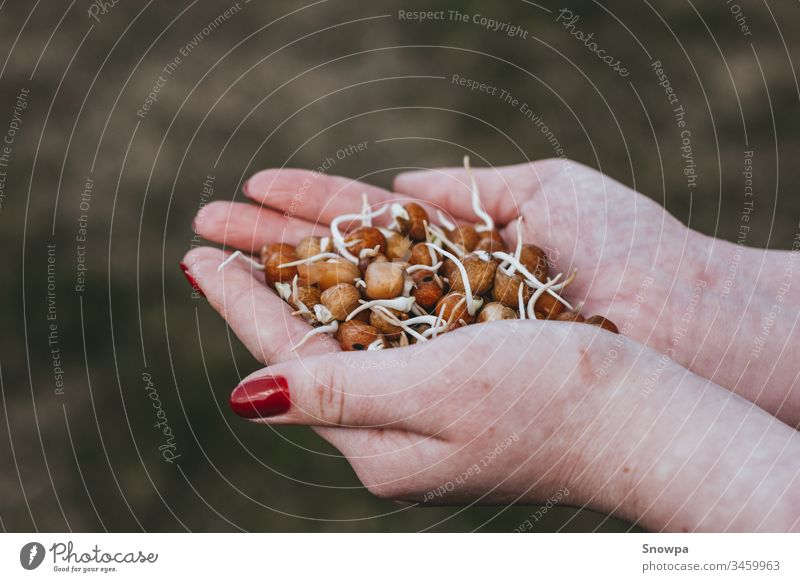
(261, 398)
(192, 282)
(246, 188)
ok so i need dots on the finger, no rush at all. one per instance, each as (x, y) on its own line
(349, 389)
(258, 317)
(247, 227)
(317, 197)
(502, 189)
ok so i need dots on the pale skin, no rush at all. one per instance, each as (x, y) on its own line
(670, 443)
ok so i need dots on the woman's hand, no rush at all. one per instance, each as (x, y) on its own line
(547, 407)
(726, 312)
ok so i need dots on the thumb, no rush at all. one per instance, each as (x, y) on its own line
(348, 389)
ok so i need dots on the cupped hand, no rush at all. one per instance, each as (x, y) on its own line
(507, 411)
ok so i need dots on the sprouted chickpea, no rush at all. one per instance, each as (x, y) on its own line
(376, 287)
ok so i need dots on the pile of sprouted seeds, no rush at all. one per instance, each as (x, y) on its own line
(374, 288)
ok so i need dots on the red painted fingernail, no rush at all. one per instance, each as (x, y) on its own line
(192, 282)
(261, 398)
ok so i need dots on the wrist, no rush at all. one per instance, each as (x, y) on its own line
(694, 456)
(736, 326)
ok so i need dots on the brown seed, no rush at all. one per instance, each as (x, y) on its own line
(601, 321)
(340, 300)
(384, 280)
(414, 226)
(452, 308)
(480, 274)
(535, 260)
(427, 292)
(354, 335)
(310, 246)
(398, 247)
(548, 306)
(364, 263)
(308, 296)
(506, 289)
(420, 329)
(275, 275)
(421, 255)
(327, 274)
(268, 250)
(571, 316)
(465, 236)
(491, 242)
(369, 237)
(495, 311)
(381, 322)
(448, 268)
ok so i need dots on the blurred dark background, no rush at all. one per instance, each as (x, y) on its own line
(285, 83)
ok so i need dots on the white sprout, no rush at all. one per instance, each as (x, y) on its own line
(439, 233)
(417, 310)
(386, 232)
(403, 341)
(398, 303)
(239, 255)
(532, 281)
(360, 283)
(284, 290)
(366, 219)
(566, 283)
(408, 285)
(472, 304)
(332, 327)
(376, 345)
(488, 223)
(539, 292)
(338, 239)
(311, 259)
(521, 302)
(518, 250)
(399, 323)
(444, 221)
(324, 243)
(323, 314)
(415, 268)
(398, 212)
(366, 253)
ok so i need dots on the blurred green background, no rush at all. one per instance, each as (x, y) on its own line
(286, 83)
